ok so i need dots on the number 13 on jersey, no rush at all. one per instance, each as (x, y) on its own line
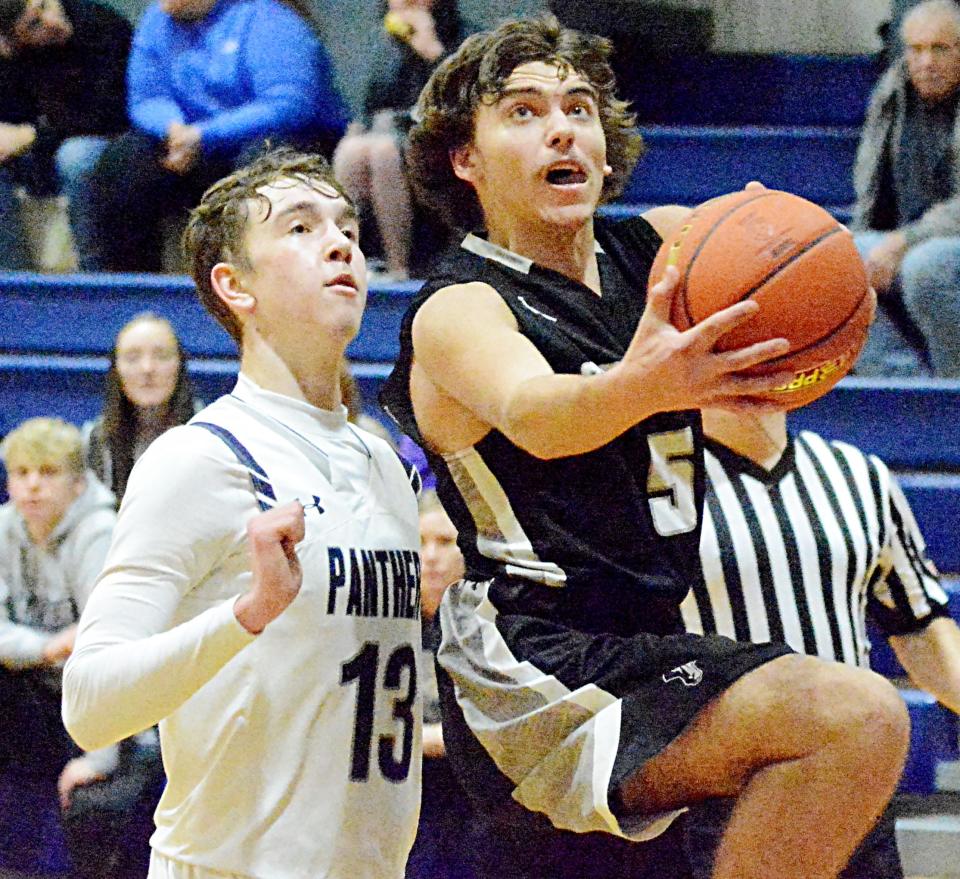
(399, 676)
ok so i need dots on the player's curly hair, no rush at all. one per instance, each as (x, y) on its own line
(477, 72)
(217, 226)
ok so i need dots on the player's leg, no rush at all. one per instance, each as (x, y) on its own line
(811, 750)
(877, 857)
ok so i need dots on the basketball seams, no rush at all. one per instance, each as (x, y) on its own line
(794, 265)
(792, 259)
(824, 338)
(706, 237)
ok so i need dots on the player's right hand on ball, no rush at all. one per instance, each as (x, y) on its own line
(684, 367)
(272, 537)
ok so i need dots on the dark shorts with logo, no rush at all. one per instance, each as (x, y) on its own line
(539, 717)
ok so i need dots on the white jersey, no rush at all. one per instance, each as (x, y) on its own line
(291, 754)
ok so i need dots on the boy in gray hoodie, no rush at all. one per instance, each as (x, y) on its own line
(54, 536)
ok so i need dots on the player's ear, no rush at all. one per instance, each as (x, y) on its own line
(227, 283)
(463, 164)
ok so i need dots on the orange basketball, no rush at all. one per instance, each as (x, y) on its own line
(795, 260)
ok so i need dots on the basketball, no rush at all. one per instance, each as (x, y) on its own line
(792, 258)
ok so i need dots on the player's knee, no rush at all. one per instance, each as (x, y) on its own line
(855, 708)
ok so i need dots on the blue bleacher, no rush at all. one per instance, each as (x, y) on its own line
(750, 89)
(711, 123)
(714, 122)
(689, 164)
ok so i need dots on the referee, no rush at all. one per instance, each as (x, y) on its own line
(802, 539)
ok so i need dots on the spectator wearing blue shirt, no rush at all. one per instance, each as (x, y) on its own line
(208, 81)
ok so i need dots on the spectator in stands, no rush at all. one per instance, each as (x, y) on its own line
(54, 536)
(907, 212)
(147, 391)
(442, 849)
(803, 538)
(108, 815)
(416, 36)
(62, 69)
(209, 81)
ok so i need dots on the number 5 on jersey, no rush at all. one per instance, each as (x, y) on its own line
(364, 668)
(670, 482)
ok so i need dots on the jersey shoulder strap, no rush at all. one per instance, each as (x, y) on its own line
(259, 481)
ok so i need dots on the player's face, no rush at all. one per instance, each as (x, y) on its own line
(933, 56)
(308, 274)
(538, 153)
(440, 558)
(42, 493)
(148, 362)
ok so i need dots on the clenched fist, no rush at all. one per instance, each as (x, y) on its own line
(277, 575)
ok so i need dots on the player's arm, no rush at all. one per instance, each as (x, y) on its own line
(131, 665)
(667, 219)
(467, 345)
(932, 659)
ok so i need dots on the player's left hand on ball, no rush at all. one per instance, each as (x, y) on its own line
(277, 575)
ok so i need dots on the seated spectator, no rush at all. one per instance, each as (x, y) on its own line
(442, 849)
(108, 816)
(417, 34)
(54, 536)
(62, 70)
(907, 213)
(208, 82)
(147, 391)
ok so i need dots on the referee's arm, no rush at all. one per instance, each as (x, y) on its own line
(932, 659)
(925, 639)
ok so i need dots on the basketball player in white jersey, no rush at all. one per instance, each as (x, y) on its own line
(260, 598)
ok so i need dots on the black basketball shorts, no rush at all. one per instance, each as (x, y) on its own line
(554, 719)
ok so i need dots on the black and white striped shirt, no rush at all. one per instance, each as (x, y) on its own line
(801, 553)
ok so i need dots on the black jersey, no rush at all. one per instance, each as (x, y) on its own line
(601, 533)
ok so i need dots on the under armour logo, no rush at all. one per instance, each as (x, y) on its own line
(315, 505)
(689, 674)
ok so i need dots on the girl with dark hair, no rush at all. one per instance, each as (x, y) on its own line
(416, 36)
(147, 391)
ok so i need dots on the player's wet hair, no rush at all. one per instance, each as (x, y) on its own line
(476, 73)
(218, 225)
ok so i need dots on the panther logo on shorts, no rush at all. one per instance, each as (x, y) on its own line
(689, 674)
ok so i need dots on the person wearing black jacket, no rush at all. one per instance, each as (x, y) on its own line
(62, 81)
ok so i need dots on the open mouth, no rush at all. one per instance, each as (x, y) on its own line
(566, 175)
(343, 280)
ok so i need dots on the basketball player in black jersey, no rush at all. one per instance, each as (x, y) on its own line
(559, 413)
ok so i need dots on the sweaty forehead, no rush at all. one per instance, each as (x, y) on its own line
(544, 75)
(287, 193)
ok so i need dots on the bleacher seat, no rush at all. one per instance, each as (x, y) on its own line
(933, 739)
(714, 122)
(57, 333)
(907, 422)
(750, 89)
(689, 164)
